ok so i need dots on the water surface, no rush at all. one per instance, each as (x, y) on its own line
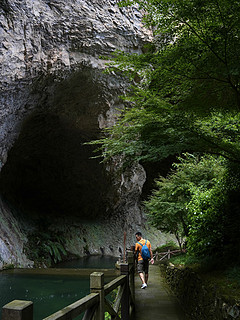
(50, 293)
(98, 262)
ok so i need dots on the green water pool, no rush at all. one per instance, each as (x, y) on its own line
(98, 262)
(50, 293)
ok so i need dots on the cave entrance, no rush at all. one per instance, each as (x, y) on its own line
(49, 170)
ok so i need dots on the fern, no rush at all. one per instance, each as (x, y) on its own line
(45, 247)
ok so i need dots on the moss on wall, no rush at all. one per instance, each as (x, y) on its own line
(199, 300)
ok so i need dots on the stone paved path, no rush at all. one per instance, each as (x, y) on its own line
(154, 302)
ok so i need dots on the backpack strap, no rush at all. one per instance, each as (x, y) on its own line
(142, 244)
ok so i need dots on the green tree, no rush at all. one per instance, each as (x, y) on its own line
(207, 218)
(168, 206)
(185, 97)
(214, 218)
(187, 94)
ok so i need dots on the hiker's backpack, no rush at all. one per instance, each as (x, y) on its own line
(145, 253)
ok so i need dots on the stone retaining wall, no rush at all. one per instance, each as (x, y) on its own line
(199, 300)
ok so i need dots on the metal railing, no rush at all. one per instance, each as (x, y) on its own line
(93, 305)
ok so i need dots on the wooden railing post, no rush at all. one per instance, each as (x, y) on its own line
(169, 254)
(124, 268)
(131, 263)
(18, 310)
(97, 285)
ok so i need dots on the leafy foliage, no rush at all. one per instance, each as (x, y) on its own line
(234, 274)
(185, 98)
(207, 218)
(45, 247)
(169, 205)
(214, 217)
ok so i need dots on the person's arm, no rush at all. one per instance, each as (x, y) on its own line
(136, 252)
(151, 254)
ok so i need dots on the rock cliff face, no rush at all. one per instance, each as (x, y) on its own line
(54, 97)
(12, 239)
(45, 42)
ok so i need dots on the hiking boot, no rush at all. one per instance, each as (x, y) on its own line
(143, 286)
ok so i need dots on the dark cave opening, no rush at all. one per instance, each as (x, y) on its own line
(153, 171)
(50, 170)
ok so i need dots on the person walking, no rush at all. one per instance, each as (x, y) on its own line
(143, 252)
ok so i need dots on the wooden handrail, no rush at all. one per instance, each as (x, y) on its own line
(76, 308)
(94, 303)
(111, 311)
(169, 251)
(166, 254)
(118, 298)
(114, 284)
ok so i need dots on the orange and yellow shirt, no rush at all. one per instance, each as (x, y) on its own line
(138, 247)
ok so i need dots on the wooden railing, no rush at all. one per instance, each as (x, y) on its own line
(93, 305)
(159, 256)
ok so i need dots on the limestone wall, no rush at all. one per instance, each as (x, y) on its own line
(46, 41)
(12, 239)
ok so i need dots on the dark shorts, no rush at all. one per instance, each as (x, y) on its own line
(142, 266)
